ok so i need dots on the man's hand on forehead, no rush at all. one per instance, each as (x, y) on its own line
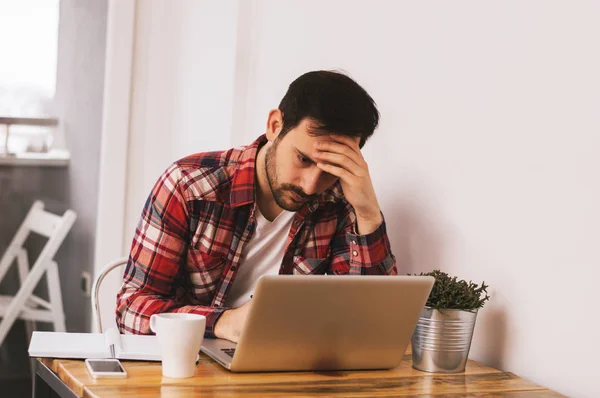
(340, 156)
(338, 143)
(352, 142)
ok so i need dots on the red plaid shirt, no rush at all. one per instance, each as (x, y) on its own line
(188, 245)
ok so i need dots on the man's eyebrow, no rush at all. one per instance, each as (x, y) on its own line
(304, 155)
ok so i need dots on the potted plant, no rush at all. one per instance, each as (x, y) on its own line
(442, 339)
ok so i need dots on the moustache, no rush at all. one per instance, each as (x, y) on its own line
(298, 191)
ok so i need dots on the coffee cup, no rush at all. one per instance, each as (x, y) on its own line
(180, 336)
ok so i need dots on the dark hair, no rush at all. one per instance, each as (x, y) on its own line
(334, 101)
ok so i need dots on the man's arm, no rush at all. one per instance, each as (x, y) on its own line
(356, 254)
(157, 253)
(230, 324)
(361, 245)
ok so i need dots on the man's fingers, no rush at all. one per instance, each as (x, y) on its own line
(350, 142)
(335, 170)
(336, 147)
(337, 159)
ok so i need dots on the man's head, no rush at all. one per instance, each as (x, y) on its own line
(317, 106)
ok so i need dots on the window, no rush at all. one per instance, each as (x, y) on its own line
(28, 47)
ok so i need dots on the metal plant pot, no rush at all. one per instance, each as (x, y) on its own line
(442, 340)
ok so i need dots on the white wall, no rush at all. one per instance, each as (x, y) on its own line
(485, 162)
(182, 89)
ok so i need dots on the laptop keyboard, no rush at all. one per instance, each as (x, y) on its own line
(228, 351)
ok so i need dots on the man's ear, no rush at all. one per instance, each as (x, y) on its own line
(274, 124)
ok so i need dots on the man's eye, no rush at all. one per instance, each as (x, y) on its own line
(303, 159)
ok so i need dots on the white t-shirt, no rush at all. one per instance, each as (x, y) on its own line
(262, 255)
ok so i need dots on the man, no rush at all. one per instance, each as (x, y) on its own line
(299, 200)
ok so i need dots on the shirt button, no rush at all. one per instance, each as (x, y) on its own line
(353, 242)
(233, 268)
(354, 253)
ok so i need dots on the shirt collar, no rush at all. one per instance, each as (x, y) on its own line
(244, 178)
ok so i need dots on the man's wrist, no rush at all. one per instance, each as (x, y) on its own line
(367, 225)
(222, 326)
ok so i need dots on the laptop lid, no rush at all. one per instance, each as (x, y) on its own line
(325, 322)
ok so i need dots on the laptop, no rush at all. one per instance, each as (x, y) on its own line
(325, 322)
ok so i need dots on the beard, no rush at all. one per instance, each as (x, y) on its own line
(282, 191)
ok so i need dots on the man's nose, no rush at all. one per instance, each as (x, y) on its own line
(311, 181)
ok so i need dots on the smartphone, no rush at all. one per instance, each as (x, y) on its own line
(105, 368)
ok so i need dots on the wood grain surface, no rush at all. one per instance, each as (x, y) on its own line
(145, 380)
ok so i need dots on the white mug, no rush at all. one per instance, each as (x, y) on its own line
(180, 337)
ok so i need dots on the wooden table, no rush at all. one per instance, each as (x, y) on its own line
(145, 380)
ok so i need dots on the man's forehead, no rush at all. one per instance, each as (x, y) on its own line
(312, 133)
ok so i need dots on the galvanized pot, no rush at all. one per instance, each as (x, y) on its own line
(442, 340)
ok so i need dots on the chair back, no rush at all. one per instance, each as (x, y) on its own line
(44, 223)
(104, 294)
(24, 304)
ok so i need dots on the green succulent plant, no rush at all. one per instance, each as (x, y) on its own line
(450, 293)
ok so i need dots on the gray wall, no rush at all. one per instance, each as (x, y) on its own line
(79, 89)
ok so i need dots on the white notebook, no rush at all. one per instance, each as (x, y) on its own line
(94, 345)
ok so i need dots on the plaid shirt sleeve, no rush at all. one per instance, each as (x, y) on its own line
(355, 254)
(150, 282)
